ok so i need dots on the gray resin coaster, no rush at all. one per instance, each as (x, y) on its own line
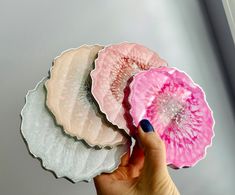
(62, 154)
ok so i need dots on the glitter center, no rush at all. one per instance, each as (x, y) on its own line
(121, 73)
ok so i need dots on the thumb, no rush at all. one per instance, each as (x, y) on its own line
(153, 146)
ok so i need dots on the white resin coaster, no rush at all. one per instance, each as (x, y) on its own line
(60, 153)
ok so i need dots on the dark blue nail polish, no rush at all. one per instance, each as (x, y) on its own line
(146, 126)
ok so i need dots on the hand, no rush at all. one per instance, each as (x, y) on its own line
(144, 172)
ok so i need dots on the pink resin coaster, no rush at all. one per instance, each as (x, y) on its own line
(178, 110)
(113, 68)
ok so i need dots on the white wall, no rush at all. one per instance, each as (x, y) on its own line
(33, 32)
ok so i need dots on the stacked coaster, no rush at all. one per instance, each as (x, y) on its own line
(80, 119)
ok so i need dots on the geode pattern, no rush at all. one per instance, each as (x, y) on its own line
(70, 100)
(64, 155)
(74, 120)
(178, 110)
(113, 68)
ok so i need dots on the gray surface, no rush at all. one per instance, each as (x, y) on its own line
(223, 35)
(33, 32)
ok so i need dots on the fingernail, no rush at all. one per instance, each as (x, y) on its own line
(146, 126)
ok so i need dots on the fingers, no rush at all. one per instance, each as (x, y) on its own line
(137, 156)
(136, 161)
(151, 157)
(154, 148)
(100, 179)
(125, 159)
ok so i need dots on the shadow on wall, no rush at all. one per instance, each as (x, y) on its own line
(221, 34)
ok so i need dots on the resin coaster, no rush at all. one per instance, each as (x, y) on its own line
(70, 100)
(113, 68)
(60, 153)
(178, 110)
